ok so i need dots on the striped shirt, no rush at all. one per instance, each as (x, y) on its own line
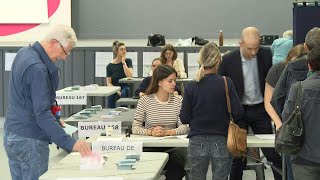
(154, 113)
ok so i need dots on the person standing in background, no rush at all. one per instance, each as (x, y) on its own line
(248, 67)
(306, 163)
(118, 68)
(272, 79)
(30, 125)
(293, 72)
(280, 47)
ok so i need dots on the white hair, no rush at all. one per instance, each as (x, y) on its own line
(64, 34)
(288, 33)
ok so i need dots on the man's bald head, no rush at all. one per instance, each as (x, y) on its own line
(250, 34)
(250, 42)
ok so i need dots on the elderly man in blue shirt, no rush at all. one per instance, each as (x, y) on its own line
(30, 125)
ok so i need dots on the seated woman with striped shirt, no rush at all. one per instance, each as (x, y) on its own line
(157, 114)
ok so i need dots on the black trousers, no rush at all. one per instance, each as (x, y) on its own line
(176, 163)
(305, 172)
(257, 118)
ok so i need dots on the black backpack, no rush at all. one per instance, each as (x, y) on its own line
(156, 40)
(290, 136)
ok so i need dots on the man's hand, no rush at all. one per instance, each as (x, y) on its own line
(82, 147)
(119, 93)
(62, 123)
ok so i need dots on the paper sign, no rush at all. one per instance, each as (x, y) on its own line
(71, 98)
(93, 178)
(88, 129)
(23, 12)
(193, 65)
(113, 146)
(102, 60)
(9, 57)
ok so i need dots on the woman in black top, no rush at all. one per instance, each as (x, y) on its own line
(273, 77)
(120, 67)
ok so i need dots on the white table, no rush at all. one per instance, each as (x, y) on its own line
(148, 167)
(139, 80)
(179, 141)
(183, 142)
(100, 91)
(126, 117)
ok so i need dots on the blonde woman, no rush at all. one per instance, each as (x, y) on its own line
(169, 56)
(204, 108)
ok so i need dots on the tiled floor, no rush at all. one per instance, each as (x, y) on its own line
(57, 155)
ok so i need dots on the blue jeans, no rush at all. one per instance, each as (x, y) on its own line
(289, 167)
(114, 97)
(202, 149)
(28, 158)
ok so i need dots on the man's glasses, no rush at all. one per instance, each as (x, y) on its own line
(63, 49)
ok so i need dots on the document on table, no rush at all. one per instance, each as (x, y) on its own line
(158, 138)
(266, 136)
(69, 129)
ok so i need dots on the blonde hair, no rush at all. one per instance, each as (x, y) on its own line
(209, 56)
(287, 33)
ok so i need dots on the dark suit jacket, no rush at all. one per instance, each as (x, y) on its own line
(231, 66)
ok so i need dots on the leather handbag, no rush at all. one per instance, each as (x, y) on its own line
(237, 137)
(290, 136)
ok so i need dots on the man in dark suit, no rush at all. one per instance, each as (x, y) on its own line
(248, 68)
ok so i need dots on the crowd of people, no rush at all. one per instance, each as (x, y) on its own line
(262, 84)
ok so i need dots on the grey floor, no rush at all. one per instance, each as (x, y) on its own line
(56, 155)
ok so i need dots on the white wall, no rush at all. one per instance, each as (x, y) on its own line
(61, 16)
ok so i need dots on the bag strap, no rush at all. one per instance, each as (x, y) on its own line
(227, 97)
(298, 97)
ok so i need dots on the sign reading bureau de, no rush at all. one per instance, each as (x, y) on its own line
(117, 146)
(71, 98)
(88, 129)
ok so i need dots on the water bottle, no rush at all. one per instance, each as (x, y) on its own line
(220, 38)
